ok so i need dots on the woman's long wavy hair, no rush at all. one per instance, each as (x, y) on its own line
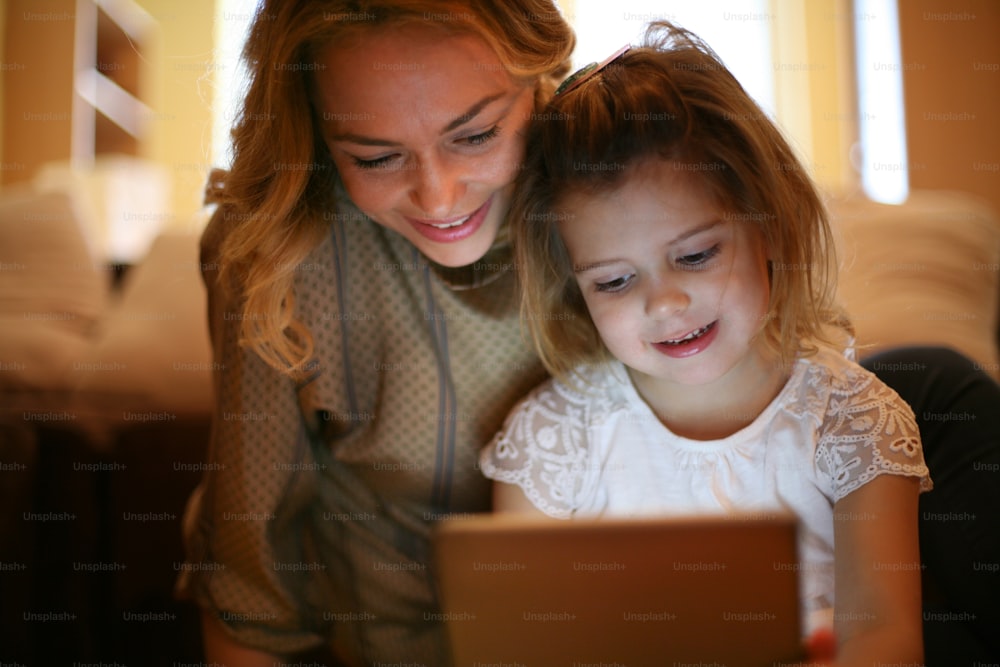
(671, 99)
(275, 201)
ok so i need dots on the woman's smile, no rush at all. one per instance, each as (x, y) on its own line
(454, 229)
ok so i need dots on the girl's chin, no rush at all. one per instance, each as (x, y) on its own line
(698, 375)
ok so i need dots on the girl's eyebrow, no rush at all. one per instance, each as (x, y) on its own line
(694, 231)
(458, 122)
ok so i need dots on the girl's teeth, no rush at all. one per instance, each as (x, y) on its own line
(693, 334)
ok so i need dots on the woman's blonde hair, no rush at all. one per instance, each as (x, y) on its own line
(275, 201)
(671, 99)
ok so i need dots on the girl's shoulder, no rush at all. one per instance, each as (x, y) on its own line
(864, 428)
(590, 393)
(558, 415)
(830, 374)
(546, 442)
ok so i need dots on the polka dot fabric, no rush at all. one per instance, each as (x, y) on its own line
(313, 523)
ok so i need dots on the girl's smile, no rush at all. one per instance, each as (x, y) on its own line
(690, 344)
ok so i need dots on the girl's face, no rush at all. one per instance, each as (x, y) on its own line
(426, 129)
(676, 288)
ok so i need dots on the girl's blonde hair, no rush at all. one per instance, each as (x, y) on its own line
(670, 99)
(275, 201)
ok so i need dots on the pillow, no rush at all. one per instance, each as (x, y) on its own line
(153, 361)
(52, 292)
(926, 272)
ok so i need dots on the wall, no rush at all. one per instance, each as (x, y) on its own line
(176, 83)
(951, 81)
(37, 120)
(3, 40)
(181, 73)
(814, 85)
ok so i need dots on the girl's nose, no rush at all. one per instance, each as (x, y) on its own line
(666, 298)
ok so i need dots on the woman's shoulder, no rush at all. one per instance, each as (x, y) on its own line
(338, 214)
(213, 235)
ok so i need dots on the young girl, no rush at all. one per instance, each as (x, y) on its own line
(677, 277)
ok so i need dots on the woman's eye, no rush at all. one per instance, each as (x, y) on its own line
(698, 258)
(615, 285)
(482, 137)
(373, 164)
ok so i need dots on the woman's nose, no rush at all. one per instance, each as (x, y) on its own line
(437, 188)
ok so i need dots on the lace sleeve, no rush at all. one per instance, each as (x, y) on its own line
(868, 430)
(542, 448)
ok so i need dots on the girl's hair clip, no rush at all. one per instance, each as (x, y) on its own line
(587, 71)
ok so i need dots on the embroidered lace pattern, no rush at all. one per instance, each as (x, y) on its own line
(867, 430)
(543, 449)
(861, 429)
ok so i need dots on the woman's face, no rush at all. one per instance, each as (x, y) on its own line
(426, 129)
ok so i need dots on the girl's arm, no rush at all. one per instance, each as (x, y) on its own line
(510, 498)
(877, 614)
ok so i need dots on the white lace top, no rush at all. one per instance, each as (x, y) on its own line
(598, 449)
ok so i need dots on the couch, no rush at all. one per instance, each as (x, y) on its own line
(105, 395)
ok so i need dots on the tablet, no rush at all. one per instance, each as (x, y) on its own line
(525, 591)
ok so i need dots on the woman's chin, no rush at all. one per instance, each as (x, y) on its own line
(458, 253)
(454, 257)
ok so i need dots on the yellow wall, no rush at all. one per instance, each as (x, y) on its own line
(814, 85)
(3, 24)
(951, 81)
(180, 75)
(37, 84)
(176, 83)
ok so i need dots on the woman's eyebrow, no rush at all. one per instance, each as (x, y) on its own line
(472, 112)
(458, 122)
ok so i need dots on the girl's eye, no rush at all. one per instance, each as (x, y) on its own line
(372, 164)
(615, 285)
(698, 258)
(482, 137)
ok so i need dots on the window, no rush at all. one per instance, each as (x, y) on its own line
(232, 21)
(739, 31)
(881, 119)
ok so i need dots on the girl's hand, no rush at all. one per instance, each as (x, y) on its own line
(821, 647)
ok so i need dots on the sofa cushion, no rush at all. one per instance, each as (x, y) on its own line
(152, 361)
(924, 272)
(52, 292)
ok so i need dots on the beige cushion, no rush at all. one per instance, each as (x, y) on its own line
(153, 361)
(52, 294)
(925, 272)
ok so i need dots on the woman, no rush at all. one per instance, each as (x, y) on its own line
(363, 315)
